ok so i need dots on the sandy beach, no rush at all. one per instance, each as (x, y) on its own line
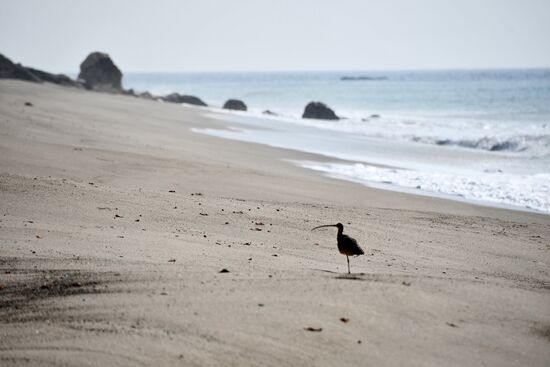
(116, 221)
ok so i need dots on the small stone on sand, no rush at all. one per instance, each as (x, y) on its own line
(313, 329)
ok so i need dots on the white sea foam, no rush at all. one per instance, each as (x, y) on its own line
(503, 136)
(529, 191)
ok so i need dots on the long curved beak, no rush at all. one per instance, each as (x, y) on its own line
(326, 225)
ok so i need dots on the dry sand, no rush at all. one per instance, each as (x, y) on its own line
(101, 264)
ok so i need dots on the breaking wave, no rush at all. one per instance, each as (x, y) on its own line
(536, 144)
(496, 187)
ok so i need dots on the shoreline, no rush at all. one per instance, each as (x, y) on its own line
(468, 166)
(207, 118)
(411, 191)
(117, 221)
(273, 132)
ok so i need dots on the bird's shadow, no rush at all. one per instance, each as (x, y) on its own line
(352, 276)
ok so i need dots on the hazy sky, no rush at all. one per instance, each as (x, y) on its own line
(195, 35)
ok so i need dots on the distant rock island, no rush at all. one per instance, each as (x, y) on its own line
(362, 77)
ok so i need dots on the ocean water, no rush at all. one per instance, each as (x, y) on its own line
(477, 135)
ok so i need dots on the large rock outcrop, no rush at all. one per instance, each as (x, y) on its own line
(60, 79)
(178, 98)
(320, 111)
(9, 70)
(100, 73)
(234, 104)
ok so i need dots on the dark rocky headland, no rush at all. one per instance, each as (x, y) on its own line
(99, 73)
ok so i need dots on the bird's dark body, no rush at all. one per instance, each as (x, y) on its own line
(346, 245)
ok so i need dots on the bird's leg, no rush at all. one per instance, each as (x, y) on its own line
(347, 257)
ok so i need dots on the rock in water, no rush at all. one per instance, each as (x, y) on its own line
(234, 104)
(177, 98)
(100, 73)
(196, 101)
(320, 111)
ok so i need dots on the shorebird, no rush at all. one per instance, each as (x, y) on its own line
(346, 245)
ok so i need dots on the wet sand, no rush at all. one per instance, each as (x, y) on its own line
(116, 220)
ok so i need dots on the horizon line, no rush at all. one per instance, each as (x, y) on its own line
(215, 71)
